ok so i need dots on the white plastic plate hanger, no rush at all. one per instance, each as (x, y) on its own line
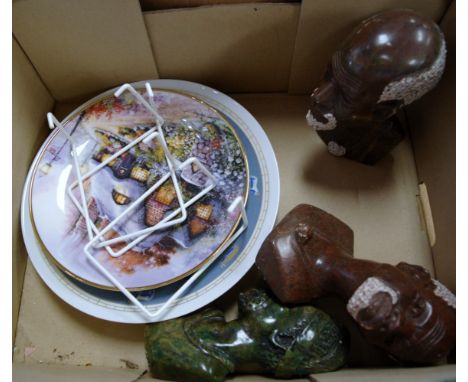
(142, 234)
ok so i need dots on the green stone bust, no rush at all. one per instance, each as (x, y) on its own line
(267, 338)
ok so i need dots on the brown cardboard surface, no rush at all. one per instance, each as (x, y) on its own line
(80, 47)
(31, 101)
(432, 121)
(378, 202)
(152, 5)
(26, 373)
(52, 332)
(234, 48)
(323, 24)
(53, 373)
(61, 110)
(422, 374)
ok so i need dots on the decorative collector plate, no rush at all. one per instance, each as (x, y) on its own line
(192, 129)
(262, 206)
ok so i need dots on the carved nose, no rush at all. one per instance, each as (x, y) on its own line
(303, 233)
(323, 93)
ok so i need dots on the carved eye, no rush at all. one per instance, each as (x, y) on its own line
(395, 315)
(282, 339)
(420, 304)
(383, 328)
(418, 308)
(415, 311)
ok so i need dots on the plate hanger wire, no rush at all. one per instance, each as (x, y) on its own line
(96, 237)
(173, 165)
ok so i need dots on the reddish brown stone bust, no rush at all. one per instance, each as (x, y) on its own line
(390, 60)
(398, 308)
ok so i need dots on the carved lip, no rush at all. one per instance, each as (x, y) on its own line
(319, 111)
(329, 121)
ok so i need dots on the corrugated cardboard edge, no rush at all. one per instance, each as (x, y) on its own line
(425, 205)
(86, 46)
(154, 5)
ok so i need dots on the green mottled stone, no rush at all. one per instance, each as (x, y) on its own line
(267, 338)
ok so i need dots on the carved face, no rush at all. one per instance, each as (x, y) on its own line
(390, 60)
(405, 313)
(269, 337)
(292, 340)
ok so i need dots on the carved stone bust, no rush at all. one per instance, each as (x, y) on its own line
(267, 338)
(390, 60)
(398, 308)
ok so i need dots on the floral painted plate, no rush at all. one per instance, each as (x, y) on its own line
(229, 267)
(102, 127)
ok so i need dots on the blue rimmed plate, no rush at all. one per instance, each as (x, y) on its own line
(262, 208)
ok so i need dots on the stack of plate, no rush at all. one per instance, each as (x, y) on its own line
(200, 122)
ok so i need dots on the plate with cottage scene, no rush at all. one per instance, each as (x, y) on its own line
(192, 128)
(229, 267)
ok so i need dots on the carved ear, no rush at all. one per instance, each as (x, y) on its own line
(372, 302)
(253, 300)
(376, 314)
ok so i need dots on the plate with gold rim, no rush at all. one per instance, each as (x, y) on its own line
(104, 126)
(263, 197)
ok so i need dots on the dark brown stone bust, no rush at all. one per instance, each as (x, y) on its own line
(398, 308)
(390, 60)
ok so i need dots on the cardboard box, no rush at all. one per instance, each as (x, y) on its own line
(269, 55)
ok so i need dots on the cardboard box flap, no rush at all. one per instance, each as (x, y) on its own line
(31, 100)
(83, 47)
(234, 48)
